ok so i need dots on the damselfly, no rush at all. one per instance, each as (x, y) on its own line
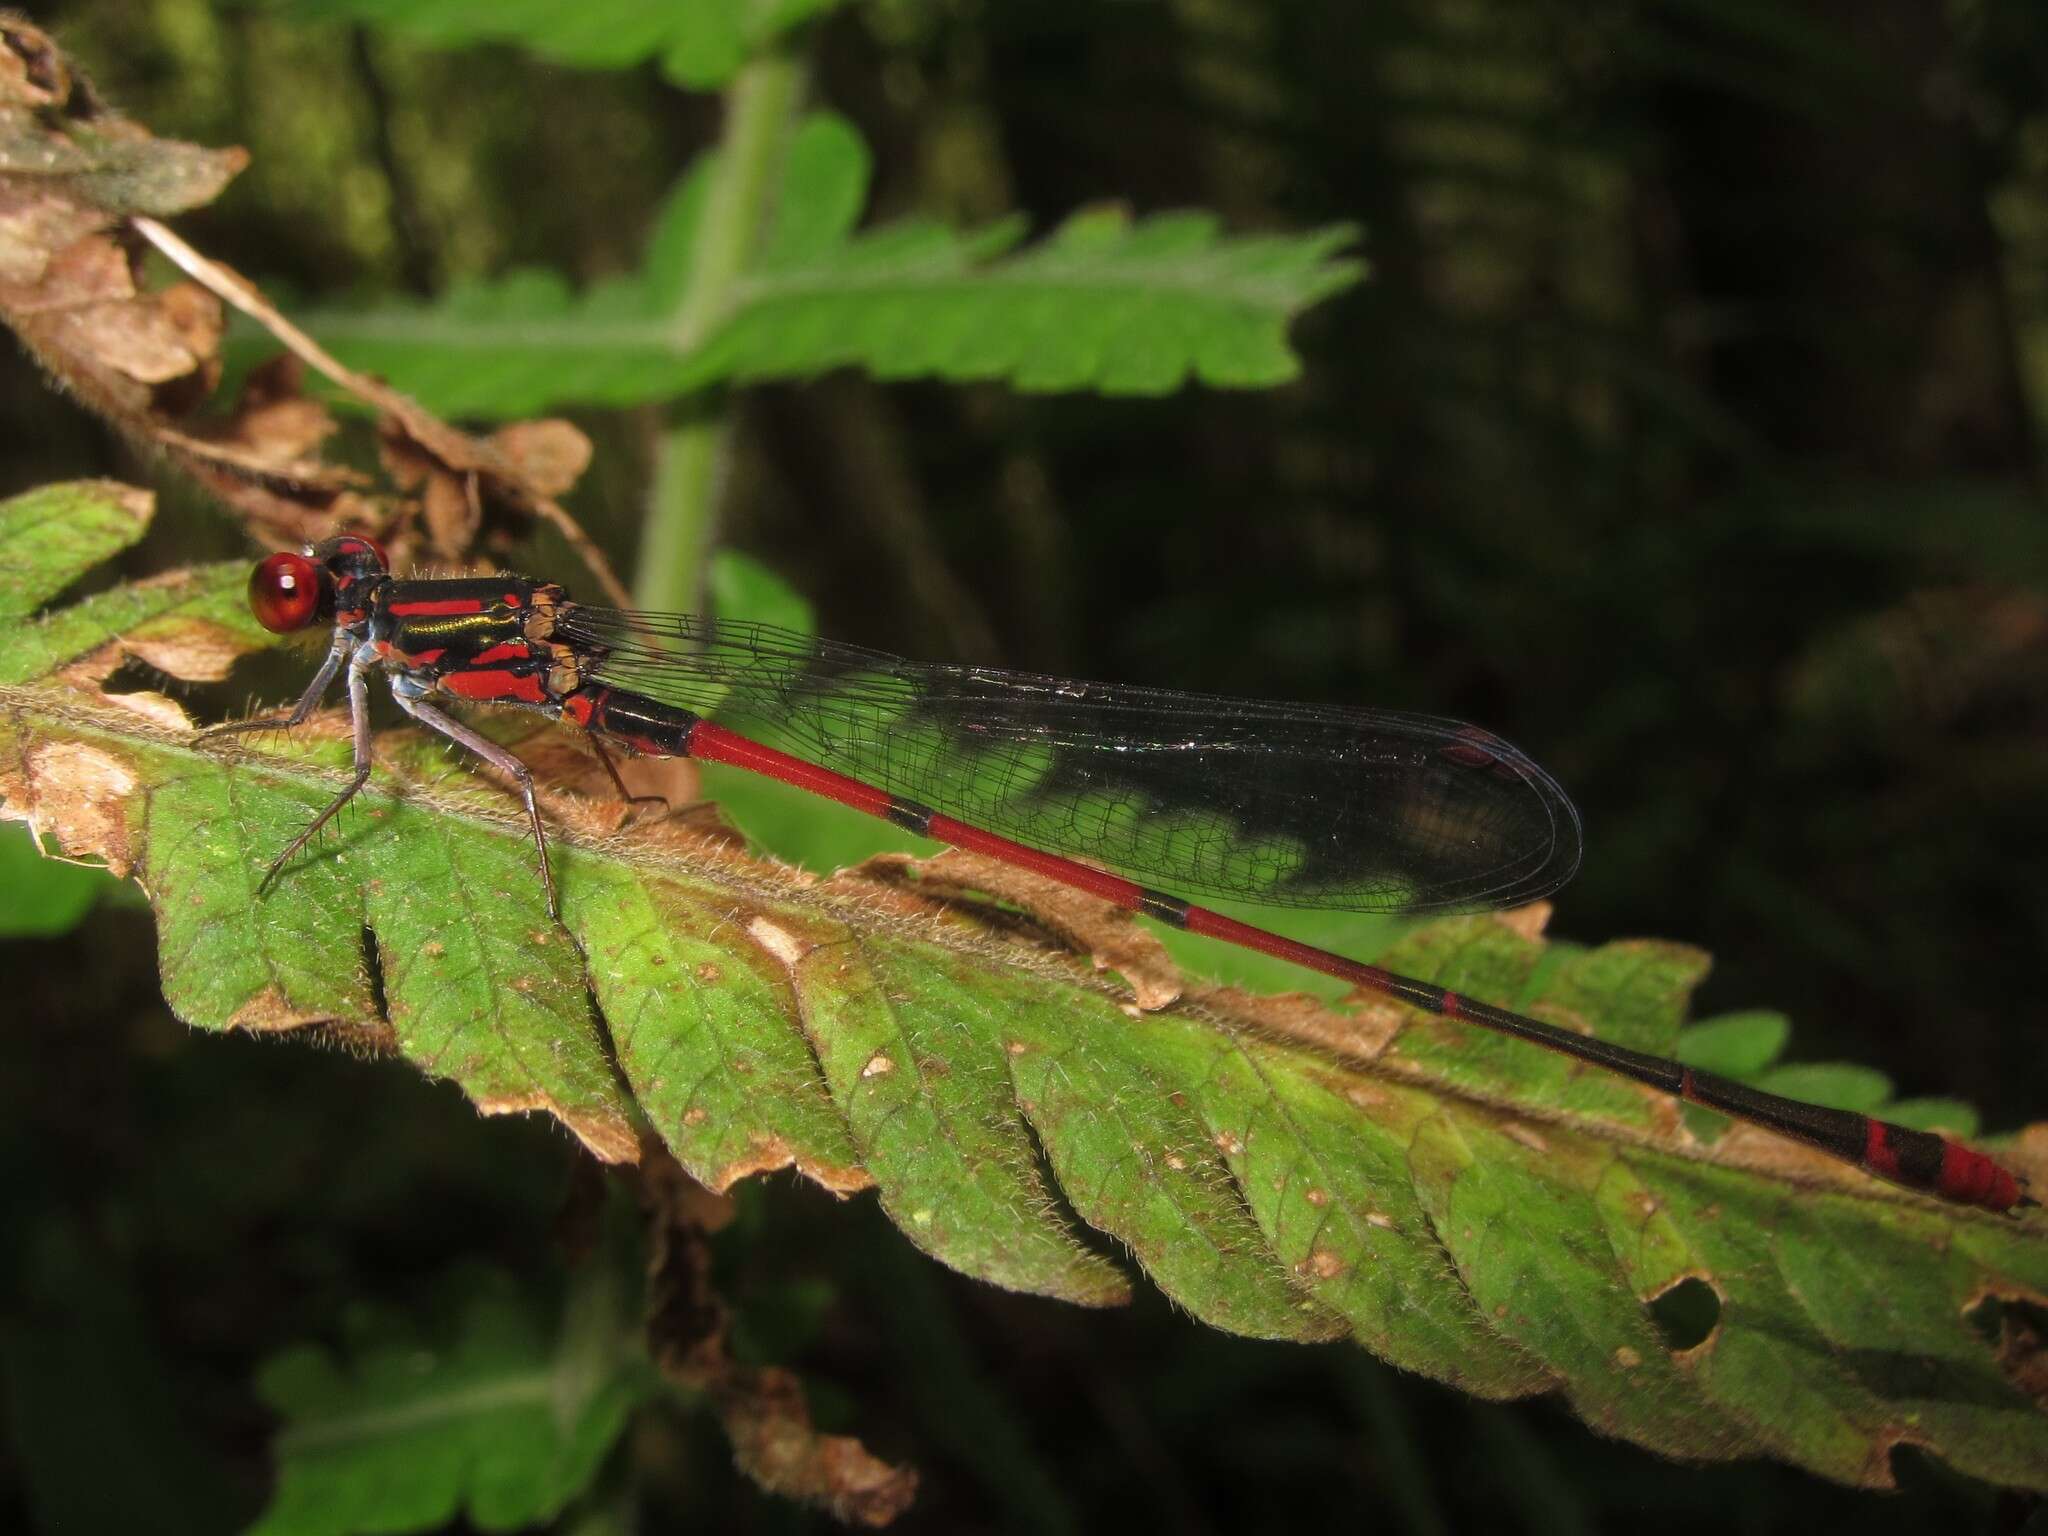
(1095, 785)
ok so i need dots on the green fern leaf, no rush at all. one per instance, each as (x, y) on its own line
(52, 536)
(505, 1419)
(1464, 1206)
(700, 44)
(1107, 302)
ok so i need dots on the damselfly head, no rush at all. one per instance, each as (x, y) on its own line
(290, 591)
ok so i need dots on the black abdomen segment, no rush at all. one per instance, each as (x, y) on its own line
(641, 724)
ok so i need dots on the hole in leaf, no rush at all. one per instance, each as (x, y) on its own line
(134, 675)
(1687, 1314)
(1944, 1498)
(263, 682)
(2017, 1332)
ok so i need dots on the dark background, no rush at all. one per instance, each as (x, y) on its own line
(1688, 432)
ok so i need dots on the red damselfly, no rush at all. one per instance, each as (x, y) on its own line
(1095, 785)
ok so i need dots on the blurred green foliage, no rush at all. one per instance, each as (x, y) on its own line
(1103, 304)
(1689, 432)
(40, 896)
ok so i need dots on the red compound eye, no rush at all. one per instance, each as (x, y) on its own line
(284, 593)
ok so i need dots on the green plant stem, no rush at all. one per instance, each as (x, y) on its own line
(675, 543)
(760, 107)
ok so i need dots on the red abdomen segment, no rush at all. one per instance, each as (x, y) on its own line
(1959, 1172)
(1917, 1159)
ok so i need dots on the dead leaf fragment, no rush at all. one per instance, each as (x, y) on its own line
(552, 454)
(76, 796)
(80, 189)
(87, 323)
(1108, 934)
(762, 1408)
(1528, 920)
(608, 1138)
(156, 708)
(32, 72)
(57, 133)
(72, 174)
(274, 423)
(1360, 1036)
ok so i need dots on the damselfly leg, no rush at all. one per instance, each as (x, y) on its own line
(359, 736)
(618, 783)
(409, 701)
(309, 701)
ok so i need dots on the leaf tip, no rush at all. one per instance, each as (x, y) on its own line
(608, 1138)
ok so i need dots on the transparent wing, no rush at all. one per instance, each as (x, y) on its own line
(1280, 804)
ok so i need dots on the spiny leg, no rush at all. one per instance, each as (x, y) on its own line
(308, 701)
(612, 768)
(359, 720)
(494, 754)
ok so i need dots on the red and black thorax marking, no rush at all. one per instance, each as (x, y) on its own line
(487, 638)
(491, 640)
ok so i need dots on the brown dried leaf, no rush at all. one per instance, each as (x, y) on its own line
(1529, 920)
(566, 759)
(70, 173)
(1359, 1036)
(85, 320)
(77, 796)
(552, 454)
(78, 184)
(1107, 934)
(32, 73)
(453, 511)
(195, 649)
(58, 136)
(473, 489)
(264, 457)
(33, 228)
(274, 422)
(762, 1407)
